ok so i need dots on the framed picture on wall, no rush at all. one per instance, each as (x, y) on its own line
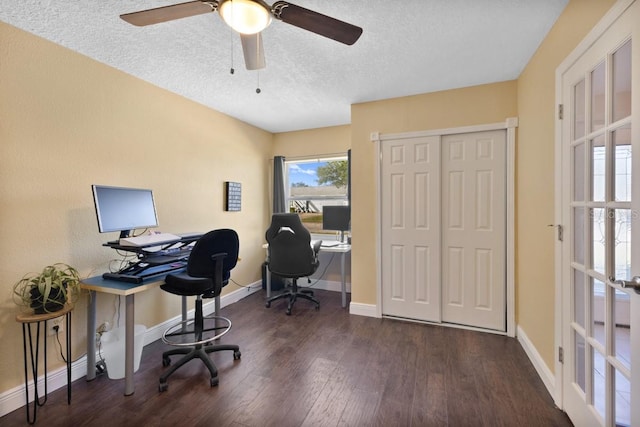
(233, 196)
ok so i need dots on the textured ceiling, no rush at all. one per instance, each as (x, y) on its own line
(408, 47)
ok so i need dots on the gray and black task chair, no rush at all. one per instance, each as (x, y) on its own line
(209, 267)
(290, 255)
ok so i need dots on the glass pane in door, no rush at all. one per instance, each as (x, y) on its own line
(598, 100)
(622, 334)
(597, 169)
(621, 139)
(598, 378)
(622, 400)
(598, 311)
(621, 102)
(578, 235)
(578, 172)
(598, 224)
(580, 368)
(622, 243)
(578, 295)
(578, 110)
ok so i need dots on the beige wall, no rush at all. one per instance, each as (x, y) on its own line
(535, 174)
(316, 142)
(67, 122)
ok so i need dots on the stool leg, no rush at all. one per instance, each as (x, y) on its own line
(68, 358)
(26, 328)
(26, 372)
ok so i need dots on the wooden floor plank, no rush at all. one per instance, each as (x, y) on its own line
(322, 368)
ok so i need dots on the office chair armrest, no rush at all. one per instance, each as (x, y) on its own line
(316, 248)
(219, 255)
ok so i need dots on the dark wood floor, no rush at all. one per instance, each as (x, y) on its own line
(323, 368)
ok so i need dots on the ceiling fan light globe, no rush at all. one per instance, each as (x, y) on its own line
(245, 16)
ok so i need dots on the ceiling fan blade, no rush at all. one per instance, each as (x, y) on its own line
(169, 13)
(315, 22)
(253, 51)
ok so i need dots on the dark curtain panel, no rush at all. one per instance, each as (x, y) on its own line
(279, 202)
(349, 176)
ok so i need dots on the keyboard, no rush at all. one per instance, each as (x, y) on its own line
(149, 239)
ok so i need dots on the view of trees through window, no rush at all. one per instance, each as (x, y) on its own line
(315, 183)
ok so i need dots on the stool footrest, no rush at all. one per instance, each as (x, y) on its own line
(180, 329)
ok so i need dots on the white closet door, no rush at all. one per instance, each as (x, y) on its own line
(411, 228)
(473, 229)
(443, 228)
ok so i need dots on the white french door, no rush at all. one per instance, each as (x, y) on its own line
(600, 148)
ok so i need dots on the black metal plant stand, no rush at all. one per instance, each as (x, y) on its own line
(29, 320)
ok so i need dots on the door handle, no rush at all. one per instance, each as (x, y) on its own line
(634, 283)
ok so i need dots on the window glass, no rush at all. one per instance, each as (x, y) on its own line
(312, 184)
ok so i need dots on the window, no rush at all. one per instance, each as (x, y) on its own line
(314, 183)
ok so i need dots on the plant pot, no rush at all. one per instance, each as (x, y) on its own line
(55, 302)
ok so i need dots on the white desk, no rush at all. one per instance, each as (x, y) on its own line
(343, 249)
(128, 290)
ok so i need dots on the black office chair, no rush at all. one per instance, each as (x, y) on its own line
(290, 255)
(209, 267)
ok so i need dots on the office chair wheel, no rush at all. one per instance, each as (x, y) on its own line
(166, 361)
(163, 387)
(267, 304)
(288, 311)
(236, 355)
(213, 381)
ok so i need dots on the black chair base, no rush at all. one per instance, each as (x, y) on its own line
(198, 352)
(198, 349)
(292, 295)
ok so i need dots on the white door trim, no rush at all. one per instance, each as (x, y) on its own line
(510, 125)
(596, 32)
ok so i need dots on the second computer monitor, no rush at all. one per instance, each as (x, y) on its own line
(337, 218)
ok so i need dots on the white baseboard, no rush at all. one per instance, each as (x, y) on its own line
(14, 398)
(368, 310)
(541, 368)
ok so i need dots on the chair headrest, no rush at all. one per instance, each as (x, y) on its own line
(287, 222)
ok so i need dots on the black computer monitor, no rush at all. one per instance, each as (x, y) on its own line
(123, 209)
(336, 218)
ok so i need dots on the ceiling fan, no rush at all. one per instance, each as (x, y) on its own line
(249, 18)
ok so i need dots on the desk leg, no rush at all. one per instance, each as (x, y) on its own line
(91, 336)
(343, 279)
(129, 387)
(268, 273)
(184, 314)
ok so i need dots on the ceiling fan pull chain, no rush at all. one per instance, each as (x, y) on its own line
(258, 83)
(231, 40)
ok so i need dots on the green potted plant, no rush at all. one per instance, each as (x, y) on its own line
(49, 290)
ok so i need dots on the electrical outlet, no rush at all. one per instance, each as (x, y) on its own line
(104, 327)
(59, 322)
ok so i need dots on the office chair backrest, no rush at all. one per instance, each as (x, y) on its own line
(223, 240)
(290, 251)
